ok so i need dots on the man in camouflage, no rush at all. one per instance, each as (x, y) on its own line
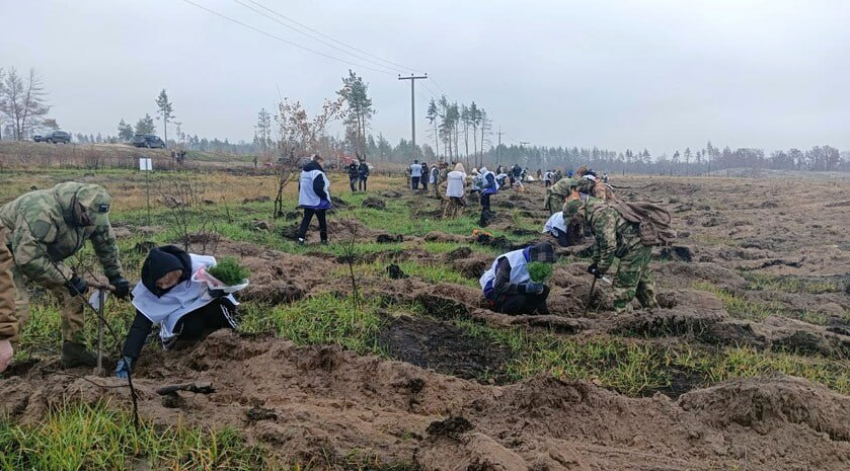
(44, 228)
(8, 318)
(558, 193)
(617, 238)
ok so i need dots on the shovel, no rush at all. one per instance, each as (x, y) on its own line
(590, 295)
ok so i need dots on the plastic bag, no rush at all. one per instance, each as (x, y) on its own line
(214, 284)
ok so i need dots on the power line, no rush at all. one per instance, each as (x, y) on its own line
(405, 68)
(326, 43)
(286, 41)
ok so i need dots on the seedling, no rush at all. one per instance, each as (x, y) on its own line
(539, 271)
(230, 272)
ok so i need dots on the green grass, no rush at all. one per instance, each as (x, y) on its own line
(96, 437)
(430, 272)
(741, 307)
(791, 284)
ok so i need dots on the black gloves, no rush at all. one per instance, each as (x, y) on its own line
(77, 285)
(594, 270)
(122, 286)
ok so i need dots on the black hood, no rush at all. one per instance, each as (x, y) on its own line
(161, 261)
(313, 165)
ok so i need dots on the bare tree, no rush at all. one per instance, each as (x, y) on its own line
(22, 101)
(299, 136)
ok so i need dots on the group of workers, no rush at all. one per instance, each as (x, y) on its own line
(578, 203)
(41, 229)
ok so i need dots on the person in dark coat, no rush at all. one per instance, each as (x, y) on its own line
(363, 171)
(353, 175)
(314, 195)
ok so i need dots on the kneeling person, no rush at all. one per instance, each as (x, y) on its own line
(508, 286)
(167, 295)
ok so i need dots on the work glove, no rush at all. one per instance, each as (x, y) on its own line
(535, 288)
(593, 269)
(77, 285)
(122, 286)
(123, 369)
(6, 354)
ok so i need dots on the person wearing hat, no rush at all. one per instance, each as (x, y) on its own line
(507, 284)
(46, 227)
(619, 238)
(168, 295)
(314, 196)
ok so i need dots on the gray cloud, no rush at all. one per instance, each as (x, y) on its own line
(615, 74)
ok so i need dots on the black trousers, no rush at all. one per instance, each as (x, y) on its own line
(362, 185)
(424, 182)
(195, 325)
(352, 181)
(415, 182)
(308, 218)
(516, 304)
(485, 201)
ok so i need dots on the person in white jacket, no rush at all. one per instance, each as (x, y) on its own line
(167, 295)
(455, 191)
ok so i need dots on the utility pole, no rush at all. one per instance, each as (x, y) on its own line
(413, 80)
(499, 147)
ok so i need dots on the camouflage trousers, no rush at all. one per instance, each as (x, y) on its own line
(8, 316)
(554, 203)
(71, 308)
(634, 279)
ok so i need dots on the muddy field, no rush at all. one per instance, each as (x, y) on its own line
(761, 265)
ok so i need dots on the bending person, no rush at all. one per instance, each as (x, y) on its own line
(166, 295)
(508, 286)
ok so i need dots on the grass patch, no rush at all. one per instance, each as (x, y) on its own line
(791, 284)
(94, 437)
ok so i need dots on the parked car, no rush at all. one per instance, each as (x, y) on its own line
(38, 138)
(58, 136)
(148, 140)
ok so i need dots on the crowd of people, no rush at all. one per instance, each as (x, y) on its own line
(41, 229)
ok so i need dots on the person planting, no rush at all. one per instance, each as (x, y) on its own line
(509, 285)
(184, 307)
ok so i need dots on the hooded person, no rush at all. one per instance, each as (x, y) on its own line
(489, 186)
(507, 285)
(616, 237)
(42, 229)
(167, 295)
(314, 196)
(353, 175)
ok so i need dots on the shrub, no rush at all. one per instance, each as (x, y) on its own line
(539, 271)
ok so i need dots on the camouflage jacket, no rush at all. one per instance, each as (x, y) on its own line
(43, 230)
(562, 187)
(613, 234)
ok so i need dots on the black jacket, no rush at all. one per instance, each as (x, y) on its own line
(364, 170)
(161, 261)
(353, 171)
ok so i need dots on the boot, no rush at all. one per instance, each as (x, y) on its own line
(75, 354)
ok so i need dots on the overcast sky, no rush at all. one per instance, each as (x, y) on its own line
(615, 74)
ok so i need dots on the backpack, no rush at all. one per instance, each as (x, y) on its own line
(653, 221)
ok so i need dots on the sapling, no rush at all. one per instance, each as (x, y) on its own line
(539, 271)
(230, 272)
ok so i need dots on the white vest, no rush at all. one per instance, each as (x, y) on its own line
(184, 298)
(306, 196)
(435, 175)
(556, 222)
(519, 272)
(454, 184)
(495, 181)
(416, 170)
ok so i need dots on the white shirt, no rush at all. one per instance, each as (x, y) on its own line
(416, 170)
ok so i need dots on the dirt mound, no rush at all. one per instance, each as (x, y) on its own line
(321, 406)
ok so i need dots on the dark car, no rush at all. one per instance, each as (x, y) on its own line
(148, 140)
(38, 138)
(58, 136)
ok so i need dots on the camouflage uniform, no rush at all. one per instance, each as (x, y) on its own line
(597, 189)
(8, 318)
(44, 228)
(556, 194)
(616, 237)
